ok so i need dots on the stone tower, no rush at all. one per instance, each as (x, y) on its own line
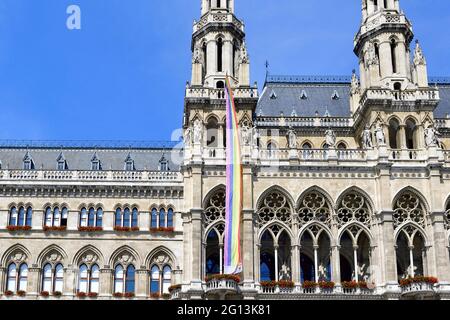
(218, 50)
(393, 92)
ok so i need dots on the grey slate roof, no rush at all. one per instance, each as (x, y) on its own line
(80, 158)
(282, 94)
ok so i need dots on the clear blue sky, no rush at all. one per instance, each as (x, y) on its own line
(122, 76)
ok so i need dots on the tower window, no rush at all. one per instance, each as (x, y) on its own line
(219, 4)
(205, 59)
(219, 55)
(375, 5)
(377, 54)
(393, 55)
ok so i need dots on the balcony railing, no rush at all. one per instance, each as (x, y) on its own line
(207, 93)
(418, 288)
(407, 95)
(299, 290)
(222, 285)
(116, 176)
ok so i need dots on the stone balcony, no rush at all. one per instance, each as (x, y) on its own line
(419, 290)
(403, 96)
(300, 293)
(221, 286)
(91, 176)
(219, 94)
(382, 18)
(217, 17)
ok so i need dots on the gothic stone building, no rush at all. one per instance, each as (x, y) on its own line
(346, 179)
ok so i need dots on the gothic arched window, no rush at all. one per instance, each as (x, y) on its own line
(410, 132)
(91, 218)
(275, 206)
(409, 207)
(355, 253)
(410, 252)
(219, 55)
(275, 255)
(53, 278)
(17, 278)
(314, 207)
(154, 219)
(124, 279)
(394, 55)
(214, 250)
(56, 217)
(394, 128)
(353, 207)
(215, 207)
(88, 281)
(21, 217)
(315, 254)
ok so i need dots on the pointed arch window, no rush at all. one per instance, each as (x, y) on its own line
(21, 217)
(126, 218)
(162, 218)
(160, 280)
(91, 217)
(56, 217)
(219, 54)
(154, 219)
(394, 55)
(170, 218)
(53, 278)
(17, 279)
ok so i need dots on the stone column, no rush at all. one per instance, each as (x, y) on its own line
(390, 4)
(401, 137)
(220, 135)
(385, 59)
(370, 7)
(106, 282)
(70, 285)
(37, 221)
(227, 55)
(3, 280)
(247, 226)
(108, 220)
(211, 59)
(420, 137)
(142, 283)
(295, 262)
(389, 252)
(205, 6)
(400, 53)
(336, 265)
(34, 280)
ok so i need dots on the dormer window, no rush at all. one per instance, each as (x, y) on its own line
(273, 95)
(335, 95)
(62, 163)
(96, 164)
(28, 163)
(129, 163)
(163, 164)
(303, 95)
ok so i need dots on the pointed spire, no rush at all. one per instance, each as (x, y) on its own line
(61, 157)
(419, 58)
(129, 158)
(95, 157)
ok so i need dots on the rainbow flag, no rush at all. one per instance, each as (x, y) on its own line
(233, 202)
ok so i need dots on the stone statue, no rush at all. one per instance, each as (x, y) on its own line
(330, 138)
(355, 83)
(285, 273)
(246, 135)
(255, 134)
(367, 138)
(432, 137)
(243, 56)
(188, 136)
(419, 58)
(198, 131)
(379, 135)
(197, 56)
(292, 138)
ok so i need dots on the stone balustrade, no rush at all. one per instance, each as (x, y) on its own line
(418, 288)
(406, 95)
(214, 17)
(68, 175)
(222, 285)
(214, 94)
(380, 18)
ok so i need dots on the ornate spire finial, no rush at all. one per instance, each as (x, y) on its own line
(419, 58)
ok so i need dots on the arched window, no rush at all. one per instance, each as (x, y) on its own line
(214, 250)
(410, 131)
(275, 206)
(53, 278)
(17, 279)
(154, 219)
(119, 279)
(307, 146)
(394, 127)
(342, 146)
(411, 253)
(134, 218)
(275, 255)
(89, 279)
(126, 218)
(154, 280)
(130, 279)
(219, 55)
(394, 55)
(83, 218)
(91, 218)
(315, 254)
(21, 217)
(13, 216)
(162, 218)
(160, 282)
(56, 217)
(355, 255)
(124, 279)
(118, 218)
(170, 218)
(212, 132)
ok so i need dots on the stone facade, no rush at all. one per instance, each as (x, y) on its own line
(353, 194)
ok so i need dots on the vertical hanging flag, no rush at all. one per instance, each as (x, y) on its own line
(233, 201)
